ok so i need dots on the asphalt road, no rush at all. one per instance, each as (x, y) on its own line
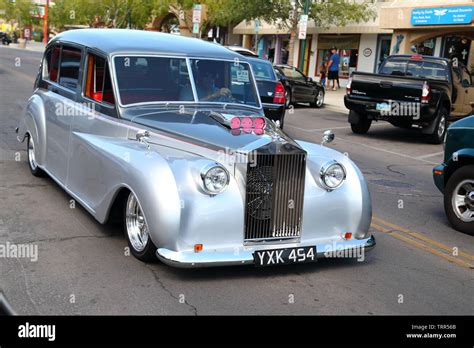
(82, 267)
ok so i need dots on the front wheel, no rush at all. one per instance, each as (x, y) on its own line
(318, 99)
(137, 231)
(459, 200)
(437, 137)
(287, 98)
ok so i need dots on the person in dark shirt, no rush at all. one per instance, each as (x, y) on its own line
(333, 68)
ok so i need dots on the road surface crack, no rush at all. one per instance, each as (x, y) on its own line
(165, 288)
(47, 240)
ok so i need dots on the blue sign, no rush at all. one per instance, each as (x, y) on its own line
(442, 15)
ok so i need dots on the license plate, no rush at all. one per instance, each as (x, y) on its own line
(284, 256)
(382, 107)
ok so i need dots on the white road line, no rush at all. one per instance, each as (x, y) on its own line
(387, 151)
(326, 128)
(431, 155)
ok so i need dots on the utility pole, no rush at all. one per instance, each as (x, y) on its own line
(46, 24)
(303, 41)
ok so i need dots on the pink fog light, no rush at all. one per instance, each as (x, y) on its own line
(235, 123)
(259, 123)
(246, 122)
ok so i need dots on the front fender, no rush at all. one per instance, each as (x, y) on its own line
(350, 203)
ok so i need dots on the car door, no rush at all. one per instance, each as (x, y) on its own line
(61, 76)
(298, 81)
(96, 119)
(458, 93)
(308, 89)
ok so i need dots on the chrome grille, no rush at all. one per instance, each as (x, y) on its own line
(274, 195)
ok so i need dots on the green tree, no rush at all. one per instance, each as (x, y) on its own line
(22, 11)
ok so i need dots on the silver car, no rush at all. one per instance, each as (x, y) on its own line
(167, 134)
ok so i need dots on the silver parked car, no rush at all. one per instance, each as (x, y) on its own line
(168, 134)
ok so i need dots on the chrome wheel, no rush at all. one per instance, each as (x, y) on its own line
(441, 127)
(31, 154)
(287, 98)
(137, 228)
(320, 99)
(463, 200)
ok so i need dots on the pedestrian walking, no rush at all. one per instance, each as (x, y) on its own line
(333, 68)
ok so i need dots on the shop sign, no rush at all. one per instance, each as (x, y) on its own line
(442, 15)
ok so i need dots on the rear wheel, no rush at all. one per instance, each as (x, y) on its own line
(362, 125)
(459, 200)
(137, 231)
(31, 153)
(437, 137)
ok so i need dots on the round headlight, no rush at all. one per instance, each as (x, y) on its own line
(215, 179)
(332, 175)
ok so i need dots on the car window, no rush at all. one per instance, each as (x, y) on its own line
(263, 71)
(292, 73)
(152, 79)
(51, 64)
(224, 81)
(98, 85)
(69, 67)
(393, 67)
(429, 70)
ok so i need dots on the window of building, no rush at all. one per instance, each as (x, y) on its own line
(98, 84)
(69, 67)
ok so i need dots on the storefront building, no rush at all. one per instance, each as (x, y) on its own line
(361, 46)
(436, 28)
(441, 28)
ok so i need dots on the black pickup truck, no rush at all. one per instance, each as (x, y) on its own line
(411, 90)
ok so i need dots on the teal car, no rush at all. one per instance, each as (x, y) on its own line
(455, 177)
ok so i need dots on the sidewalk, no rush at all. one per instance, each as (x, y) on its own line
(30, 46)
(334, 100)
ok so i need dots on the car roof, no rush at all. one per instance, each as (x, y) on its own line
(258, 59)
(123, 41)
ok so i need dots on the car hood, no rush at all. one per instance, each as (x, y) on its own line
(208, 128)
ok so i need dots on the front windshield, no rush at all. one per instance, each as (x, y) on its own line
(162, 79)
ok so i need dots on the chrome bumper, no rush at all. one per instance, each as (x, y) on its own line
(215, 258)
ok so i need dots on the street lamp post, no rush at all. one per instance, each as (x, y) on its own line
(303, 42)
(46, 24)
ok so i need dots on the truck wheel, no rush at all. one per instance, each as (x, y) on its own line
(459, 200)
(437, 137)
(362, 125)
(137, 231)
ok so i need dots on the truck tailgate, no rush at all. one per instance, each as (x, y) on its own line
(379, 88)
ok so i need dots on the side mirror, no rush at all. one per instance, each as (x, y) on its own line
(278, 123)
(310, 79)
(465, 83)
(328, 137)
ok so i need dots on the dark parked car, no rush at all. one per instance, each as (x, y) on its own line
(299, 88)
(410, 90)
(5, 38)
(455, 177)
(270, 89)
(243, 51)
